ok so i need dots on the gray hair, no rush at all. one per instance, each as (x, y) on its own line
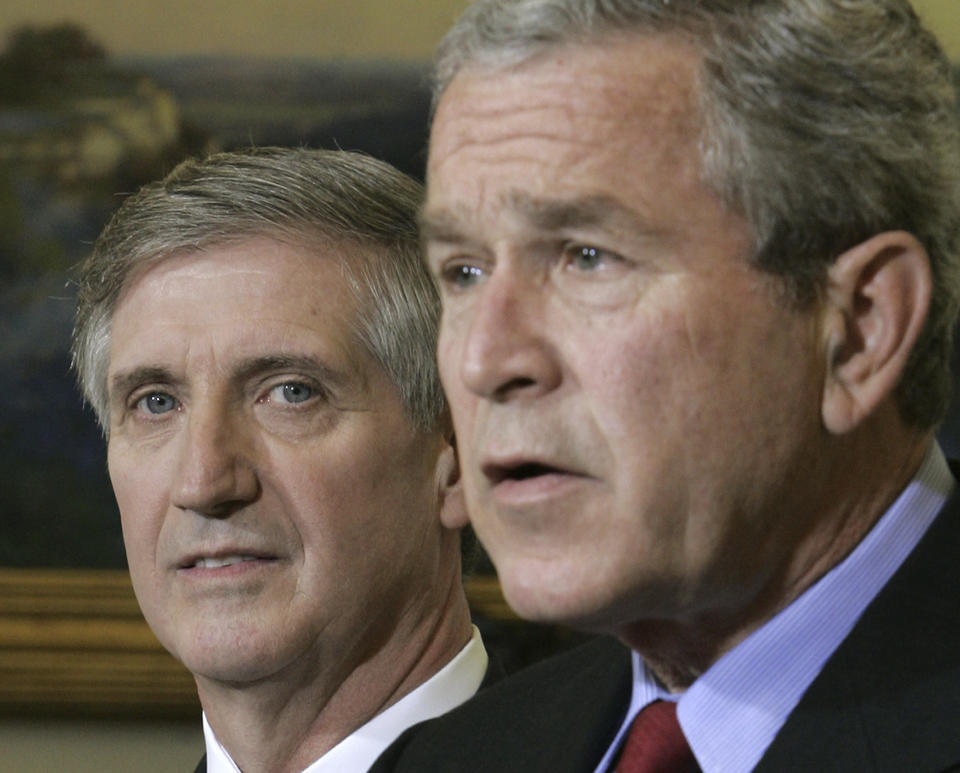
(825, 122)
(311, 198)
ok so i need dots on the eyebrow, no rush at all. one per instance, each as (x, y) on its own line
(256, 366)
(127, 380)
(541, 213)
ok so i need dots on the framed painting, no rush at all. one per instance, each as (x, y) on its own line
(78, 129)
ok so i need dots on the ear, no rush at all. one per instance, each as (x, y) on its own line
(453, 506)
(878, 295)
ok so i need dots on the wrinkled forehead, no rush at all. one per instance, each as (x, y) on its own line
(675, 54)
(566, 126)
(651, 81)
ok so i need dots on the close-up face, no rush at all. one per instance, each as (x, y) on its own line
(279, 508)
(630, 398)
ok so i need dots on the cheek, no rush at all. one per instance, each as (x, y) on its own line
(633, 377)
(357, 496)
(449, 348)
(142, 500)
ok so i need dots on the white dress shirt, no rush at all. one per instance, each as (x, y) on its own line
(446, 689)
(733, 711)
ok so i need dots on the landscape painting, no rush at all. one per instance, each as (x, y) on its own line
(79, 129)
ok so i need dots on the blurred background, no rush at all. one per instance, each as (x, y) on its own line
(97, 98)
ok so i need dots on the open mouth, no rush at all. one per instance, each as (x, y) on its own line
(216, 563)
(219, 562)
(519, 472)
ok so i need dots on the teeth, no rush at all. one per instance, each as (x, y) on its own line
(216, 563)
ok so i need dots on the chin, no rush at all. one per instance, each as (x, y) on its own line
(582, 597)
(229, 656)
(231, 666)
(545, 594)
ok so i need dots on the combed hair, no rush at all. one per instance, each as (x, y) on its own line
(336, 204)
(825, 122)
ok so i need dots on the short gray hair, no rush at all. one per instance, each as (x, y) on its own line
(825, 122)
(312, 198)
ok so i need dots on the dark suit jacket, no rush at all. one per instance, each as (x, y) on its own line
(887, 700)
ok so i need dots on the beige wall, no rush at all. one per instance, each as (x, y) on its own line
(943, 16)
(96, 746)
(407, 29)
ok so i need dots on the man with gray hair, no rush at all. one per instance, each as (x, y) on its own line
(256, 335)
(698, 263)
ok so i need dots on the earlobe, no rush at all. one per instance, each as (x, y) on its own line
(453, 506)
(877, 299)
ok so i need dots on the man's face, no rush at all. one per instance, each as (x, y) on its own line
(633, 403)
(280, 512)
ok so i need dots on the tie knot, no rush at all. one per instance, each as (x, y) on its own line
(656, 744)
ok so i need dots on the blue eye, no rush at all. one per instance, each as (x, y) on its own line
(157, 403)
(292, 392)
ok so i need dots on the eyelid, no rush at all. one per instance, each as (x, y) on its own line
(575, 248)
(138, 392)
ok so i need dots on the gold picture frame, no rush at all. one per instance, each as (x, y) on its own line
(73, 643)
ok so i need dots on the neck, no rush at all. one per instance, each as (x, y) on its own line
(285, 723)
(837, 510)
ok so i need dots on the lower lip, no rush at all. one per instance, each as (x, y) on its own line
(537, 489)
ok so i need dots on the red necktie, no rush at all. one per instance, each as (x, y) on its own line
(656, 744)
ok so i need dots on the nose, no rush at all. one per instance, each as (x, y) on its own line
(507, 353)
(215, 475)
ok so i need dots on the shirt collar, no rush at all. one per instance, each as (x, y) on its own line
(448, 688)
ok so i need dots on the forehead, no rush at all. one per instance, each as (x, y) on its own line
(641, 74)
(254, 294)
(601, 115)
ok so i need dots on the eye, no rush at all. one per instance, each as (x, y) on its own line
(157, 403)
(461, 275)
(291, 392)
(583, 257)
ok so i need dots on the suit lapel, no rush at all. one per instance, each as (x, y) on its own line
(558, 715)
(889, 697)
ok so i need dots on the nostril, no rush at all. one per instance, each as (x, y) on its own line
(511, 387)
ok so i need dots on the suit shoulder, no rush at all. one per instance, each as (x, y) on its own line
(559, 714)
